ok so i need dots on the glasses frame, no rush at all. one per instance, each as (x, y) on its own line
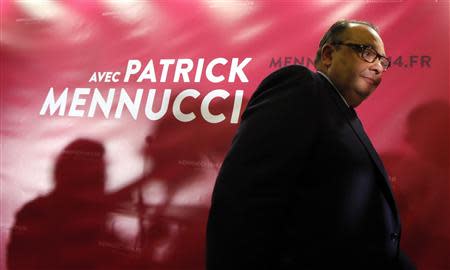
(361, 48)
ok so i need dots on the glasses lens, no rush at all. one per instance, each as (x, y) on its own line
(369, 55)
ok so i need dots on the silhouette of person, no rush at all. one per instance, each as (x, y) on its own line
(65, 229)
(422, 186)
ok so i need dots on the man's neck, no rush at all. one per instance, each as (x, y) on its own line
(335, 88)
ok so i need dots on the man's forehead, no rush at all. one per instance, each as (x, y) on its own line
(363, 34)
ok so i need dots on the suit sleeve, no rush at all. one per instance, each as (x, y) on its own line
(251, 196)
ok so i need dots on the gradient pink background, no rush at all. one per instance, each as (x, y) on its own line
(61, 43)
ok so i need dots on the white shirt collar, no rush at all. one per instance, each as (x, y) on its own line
(328, 79)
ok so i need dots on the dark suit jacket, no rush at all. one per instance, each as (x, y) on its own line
(302, 186)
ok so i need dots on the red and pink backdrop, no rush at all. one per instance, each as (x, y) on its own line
(160, 86)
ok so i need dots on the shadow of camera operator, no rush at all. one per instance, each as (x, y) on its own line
(421, 184)
(172, 199)
(65, 229)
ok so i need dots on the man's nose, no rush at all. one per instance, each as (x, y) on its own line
(376, 66)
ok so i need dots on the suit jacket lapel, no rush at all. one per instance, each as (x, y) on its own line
(357, 127)
(359, 130)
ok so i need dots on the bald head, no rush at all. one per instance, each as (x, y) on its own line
(333, 34)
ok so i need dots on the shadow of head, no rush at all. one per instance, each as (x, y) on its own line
(80, 169)
(428, 131)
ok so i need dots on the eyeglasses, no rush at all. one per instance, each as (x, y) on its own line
(368, 54)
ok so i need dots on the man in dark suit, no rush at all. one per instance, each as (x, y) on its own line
(302, 186)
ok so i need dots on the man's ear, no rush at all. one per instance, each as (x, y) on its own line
(327, 55)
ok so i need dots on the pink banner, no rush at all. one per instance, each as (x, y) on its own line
(153, 91)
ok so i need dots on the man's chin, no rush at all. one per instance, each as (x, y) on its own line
(357, 98)
(363, 94)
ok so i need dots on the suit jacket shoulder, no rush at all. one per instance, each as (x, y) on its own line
(292, 87)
